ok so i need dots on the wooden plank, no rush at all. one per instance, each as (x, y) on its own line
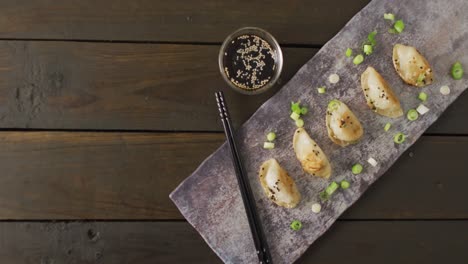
(177, 242)
(297, 21)
(70, 85)
(65, 175)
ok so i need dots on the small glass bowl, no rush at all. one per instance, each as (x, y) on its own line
(264, 35)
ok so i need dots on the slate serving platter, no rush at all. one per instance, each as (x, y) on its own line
(210, 200)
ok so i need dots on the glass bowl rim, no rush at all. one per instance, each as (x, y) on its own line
(270, 39)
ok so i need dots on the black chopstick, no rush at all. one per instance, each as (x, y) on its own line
(255, 225)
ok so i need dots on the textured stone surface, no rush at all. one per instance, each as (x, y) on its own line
(210, 199)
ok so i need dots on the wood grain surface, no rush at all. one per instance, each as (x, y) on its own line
(74, 85)
(363, 242)
(71, 175)
(201, 21)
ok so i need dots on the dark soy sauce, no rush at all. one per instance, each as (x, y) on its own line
(249, 62)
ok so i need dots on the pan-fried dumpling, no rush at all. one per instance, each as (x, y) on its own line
(342, 125)
(412, 67)
(311, 156)
(379, 95)
(278, 185)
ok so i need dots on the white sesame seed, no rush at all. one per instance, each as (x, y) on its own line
(445, 90)
(334, 78)
(316, 208)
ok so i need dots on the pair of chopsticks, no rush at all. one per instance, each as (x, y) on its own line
(256, 229)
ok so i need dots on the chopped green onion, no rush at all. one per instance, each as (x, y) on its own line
(392, 31)
(268, 145)
(321, 90)
(344, 184)
(399, 26)
(324, 196)
(295, 116)
(296, 225)
(421, 78)
(299, 122)
(316, 208)
(372, 162)
(271, 136)
(389, 16)
(422, 96)
(334, 78)
(399, 138)
(333, 105)
(331, 188)
(387, 127)
(358, 59)
(445, 90)
(457, 71)
(412, 115)
(371, 37)
(368, 49)
(349, 52)
(303, 110)
(295, 107)
(357, 168)
(422, 109)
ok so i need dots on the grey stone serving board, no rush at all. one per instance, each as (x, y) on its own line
(210, 199)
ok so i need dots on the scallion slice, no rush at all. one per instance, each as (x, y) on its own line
(457, 71)
(271, 136)
(412, 114)
(368, 49)
(357, 168)
(372, 162)
(334, 78)
(295, 107)
(321, 90)
(316, 208)
(445, 90)
(399, 138)
(331, 188)
(296, 225)
(304, 110)
(268, 145)
(387, 127)
(324, 196)
(371, 37)
(333, 105)
(358, 59)
(421, 78)
(422, 96)
(422, 109)
(295, 116)
(399, 26)
(389, 16)
(349, 52)
(344, 184)
(299, 122)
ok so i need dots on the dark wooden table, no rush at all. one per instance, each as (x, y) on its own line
(106, 106)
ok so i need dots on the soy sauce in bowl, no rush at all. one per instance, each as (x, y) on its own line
(250, 60)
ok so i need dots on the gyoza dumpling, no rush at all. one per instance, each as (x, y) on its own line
(311, 156)
(379, 95)
(412, 67)
(277, 184)
(342, 125)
